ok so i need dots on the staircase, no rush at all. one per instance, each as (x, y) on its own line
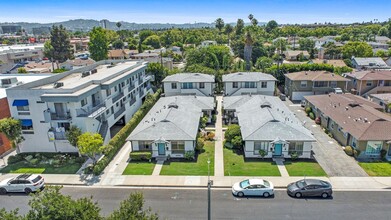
(103, 129)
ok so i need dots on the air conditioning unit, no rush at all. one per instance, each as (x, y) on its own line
(85, 73)
(94, 71)
(58, 84)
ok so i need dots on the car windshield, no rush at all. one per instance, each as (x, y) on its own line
(37, 179)
(266, 183)
(301, 184)
(244, 184)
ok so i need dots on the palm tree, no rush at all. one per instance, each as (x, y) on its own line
(219, 24)
(118, 24)
(248, 47)
(254, 22)
(228, 30)
(251, 17)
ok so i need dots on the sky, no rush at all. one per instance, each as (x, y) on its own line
(190, 11)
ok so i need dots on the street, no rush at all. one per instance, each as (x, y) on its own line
(171, 203)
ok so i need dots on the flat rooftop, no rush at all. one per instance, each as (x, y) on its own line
(22, 79)
(20, 47)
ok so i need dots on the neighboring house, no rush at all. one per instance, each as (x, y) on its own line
(242, 83)
(376, 45)
(388, 61)
(369, 63)
(39, 67)
(336, 63)
(382, 99)
(76, 63)
(320, 42)
(93, 98)
(170, 128)
(354, 121)
(12, 56)
(208, 43)
(144, 55)
(198, 84)
(8, 81)
(80, 44)
(119, 54)
(382, 39)
(300, 84)
(294, 55)
(266, 123)
(368, 82)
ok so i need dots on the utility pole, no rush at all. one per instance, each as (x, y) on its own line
(210, 183)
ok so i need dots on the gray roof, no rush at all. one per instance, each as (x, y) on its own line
(248, 77)
(366, 61)
(173, 118)
(266, 118)
(190, 77)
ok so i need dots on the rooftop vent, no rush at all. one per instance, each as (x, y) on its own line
(85, 73)
(172, 105)
(58, 84)
(266, 105)
(94, 71)
(354, 104)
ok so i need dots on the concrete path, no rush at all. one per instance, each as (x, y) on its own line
(219, 158)
(327, 151)
(281, 168)
(158, 168)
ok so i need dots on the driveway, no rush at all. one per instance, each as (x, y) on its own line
(327, 151)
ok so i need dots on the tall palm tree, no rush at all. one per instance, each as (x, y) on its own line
(118, 24)
(254, 22)
(250, 17)
(228, 30)
(248, 47)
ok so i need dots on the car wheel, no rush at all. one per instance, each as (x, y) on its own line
(266, 194)
(240, 194)
(3, 191)
(27, 190)
(325, 195)
(298, 195)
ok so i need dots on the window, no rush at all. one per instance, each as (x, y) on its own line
(296, 147)
(123, 84)
(202, 85)
(263, 84)
(177, 147)
(144, 146)
(250, 85)
(369, 83)
(83, 102)
(320, 84)
(27, 124)
(23, 108)
(354, 142)
(373, 147)
(333, 84)
(235, 85)
(107, 111)
(187, 85)
(112, 109)
(303, 84)
(173, 86)
(261, 145)
(115, 88)
(108, 92)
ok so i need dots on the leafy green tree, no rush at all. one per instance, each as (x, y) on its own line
(263, 63)
(12, 215)
(48, 50)
(133, 209)
(90, 144)
(51, 204)
(332, 51)
(357, 49)
(254, 22)
(153, 41)
(22, 70)
(239, 27)
(60, 41)
(228, 29)
(158, 71)
(232, 131)
(219, 24)
(271, 25)
(99, 44)
(73, 135)
(118, 44)
(12, 129)
(306, 44)
(381, 53)
(237, 141)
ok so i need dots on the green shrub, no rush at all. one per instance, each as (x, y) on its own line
(237, 141)
(231, 132)
(200, 144)
(56, 162)
(80, 159)
(119, 139)
(210, 136)
(189, 155)
(34, 161)
(312, 115)
(29, 157)
(294, 155)
(140, 155)
(262, 153)
(228, 145)
(349, 150)
(308, 110)
(356, 153)
(14, 159)
(214, 118)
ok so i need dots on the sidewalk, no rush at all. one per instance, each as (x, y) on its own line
(219, 157)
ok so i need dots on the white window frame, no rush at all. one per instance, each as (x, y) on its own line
(369, 83)
(371, 150)
(264, 85)
(264, 145)
(303, 84)
(174, 86)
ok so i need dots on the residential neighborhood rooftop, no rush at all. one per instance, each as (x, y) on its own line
(370, 61)
(190, 77)
(315, 76)
(20, 80)
(370, 75)
(336, 63)
(248, 77)
(355, 115)
(173, 118)
(386, 97)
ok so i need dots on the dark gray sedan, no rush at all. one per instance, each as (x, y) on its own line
(310, 187)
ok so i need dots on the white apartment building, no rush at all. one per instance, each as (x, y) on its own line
(243, 83)
(189, 84)
(93, 98)
(14, 54)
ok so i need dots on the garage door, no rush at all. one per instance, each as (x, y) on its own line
(297, 96)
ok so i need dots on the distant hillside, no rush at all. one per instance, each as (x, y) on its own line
(87, 24)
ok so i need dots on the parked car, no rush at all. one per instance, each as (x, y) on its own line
(26, 183)
(253, 187)
(310, 187)
(338, 91)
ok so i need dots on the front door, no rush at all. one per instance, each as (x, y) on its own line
(161, 148)
(277, 149)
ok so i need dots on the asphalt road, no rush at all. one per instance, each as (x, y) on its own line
(192, 204)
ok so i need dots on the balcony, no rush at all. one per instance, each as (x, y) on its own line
(119, 112)
(131, 87)
(60, 117)
(60, 136)
(132, 101)
(141, 93)
(91, 111)
(118, 97)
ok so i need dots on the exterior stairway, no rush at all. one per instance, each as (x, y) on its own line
(103, 129)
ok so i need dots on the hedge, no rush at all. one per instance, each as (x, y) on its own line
(140, 155)
(119, 139)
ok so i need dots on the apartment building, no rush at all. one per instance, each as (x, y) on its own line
(189, 84)
(10, 56)
(242, 83)
(368, 82)
(93, 98)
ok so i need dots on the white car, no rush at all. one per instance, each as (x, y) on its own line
(253, 187)
(26, 183)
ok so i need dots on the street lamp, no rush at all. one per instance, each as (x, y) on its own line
(210, 183)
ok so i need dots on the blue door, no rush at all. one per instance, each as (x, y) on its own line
(277, 149)
(161, 148)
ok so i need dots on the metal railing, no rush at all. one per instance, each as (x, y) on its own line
(118, 97)
(91, 111)
(60, 136)
(141, 93)
(55, 116)
(132, 101)
(119, 112)
(131, 87)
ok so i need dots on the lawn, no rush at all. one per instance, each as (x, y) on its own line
(304, 168)
(193, 168)
(235, 165)
(139, 168)
(377, 168)
(23, 167)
